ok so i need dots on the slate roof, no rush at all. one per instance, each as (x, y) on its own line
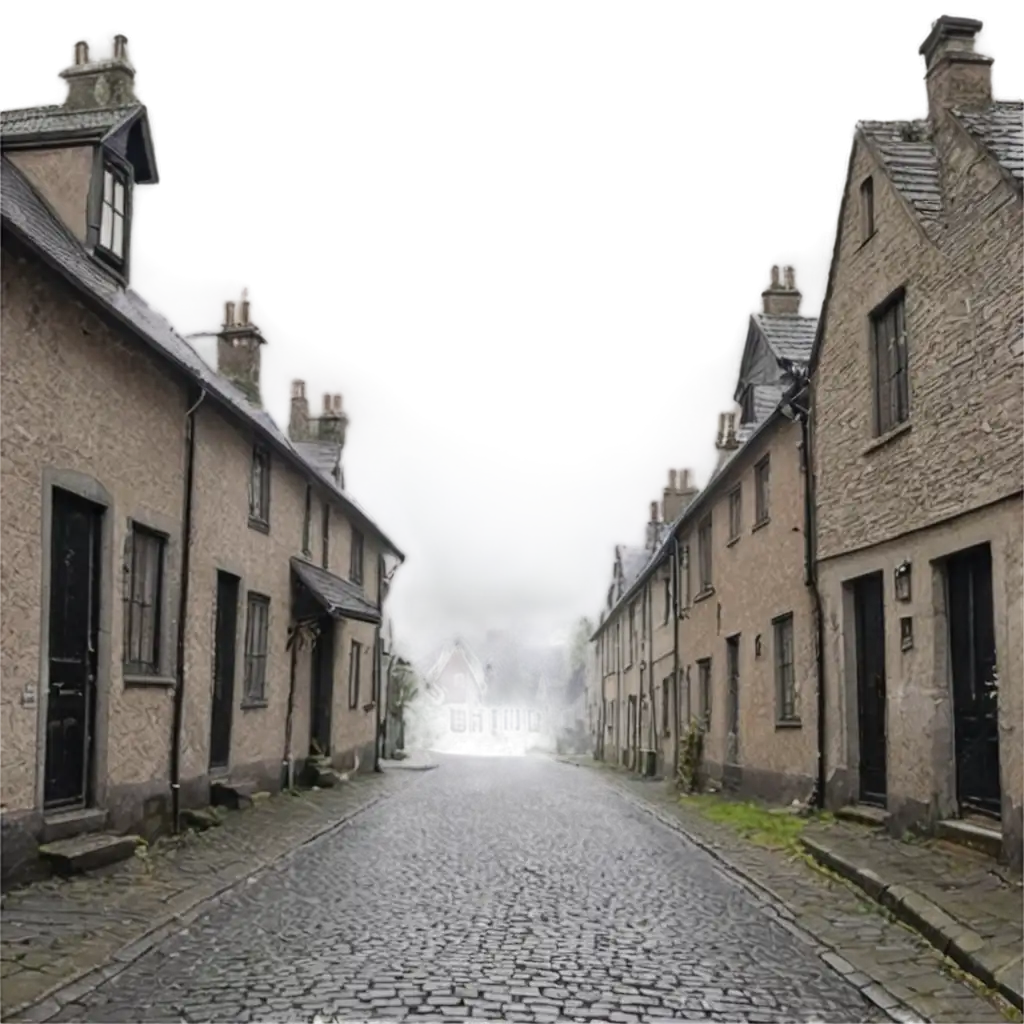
(322, 454)
(908, 156)
(633, 562)
(31, 121)
(340, 598)
(789, 337)
(1000, 129)
(27, 216)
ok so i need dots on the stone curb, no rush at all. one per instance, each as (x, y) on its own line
(962, 945)
(873, 991)
(51, 1001)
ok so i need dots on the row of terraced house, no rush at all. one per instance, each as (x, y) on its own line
(839, 608)
(191, 599)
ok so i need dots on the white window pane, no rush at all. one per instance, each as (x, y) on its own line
(117, 241)
(118, 197)
(108, 187)
(106, 226)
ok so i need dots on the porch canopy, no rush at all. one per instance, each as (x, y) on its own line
(340, 598)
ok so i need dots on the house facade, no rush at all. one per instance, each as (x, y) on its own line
(916, 425)
(191, 600)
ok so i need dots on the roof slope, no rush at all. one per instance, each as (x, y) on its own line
(340, 598)
(905, 150)
(58, 120)
(322, 454)
(790, 337)
(26, 214)
(1000, 129)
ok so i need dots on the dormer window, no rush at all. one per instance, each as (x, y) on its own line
(112, 241)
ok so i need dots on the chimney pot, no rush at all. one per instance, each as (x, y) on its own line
(120, 48)
(298, 389)
(782, 299)
(775, 277)
(244, 307)
(81, 53)
(229, 314)
(956, 75)
(327, 405)
(671, 479)
(790, 277)
(654, 512)
(685, 484)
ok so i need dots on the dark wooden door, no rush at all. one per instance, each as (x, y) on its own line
(224, 642)
(74, 631)
(732, 709)
(869, 621)
(972, 647)
(322, 690)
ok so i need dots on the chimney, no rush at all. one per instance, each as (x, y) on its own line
(101, 84)
(956, 76)
(238, 350)
(782, 298)
(679, 493)
(653, 528)
(726, 442)
(298, 419)
(333, 421)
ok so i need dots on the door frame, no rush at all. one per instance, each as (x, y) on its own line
(855, 583)
(221, 770)
(86, 487)
(316, 673)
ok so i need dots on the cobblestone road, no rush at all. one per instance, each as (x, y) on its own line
(516, 889)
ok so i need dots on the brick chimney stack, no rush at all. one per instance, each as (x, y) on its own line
(298, 418)
(678, 494)
(781, 298)
(238, 350)
(100, 84)
(333, 421)
(726, 442)
(956, 76)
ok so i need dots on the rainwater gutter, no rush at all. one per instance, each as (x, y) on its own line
(186, 550)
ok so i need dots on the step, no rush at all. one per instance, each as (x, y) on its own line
(200, 818)
(864, 814)
(65, 824)
(975, 833)
(236, 796)
(88, 852)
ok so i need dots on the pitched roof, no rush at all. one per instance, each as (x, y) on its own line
(58, 120)
(340, 598)
(1000, 129)
(790, 337)
(322, 454)
(905, 150)
(448, 651)
(633, 562)
(28, 217)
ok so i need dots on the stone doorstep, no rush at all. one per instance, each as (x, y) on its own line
(952, 938)
(87, 852)
(975, 834)
(65, 824)
(236, 796)
(864, 814)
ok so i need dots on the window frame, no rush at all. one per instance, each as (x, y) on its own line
(307, 523)
(896, 387)
(667, 617)
(259, 505)
(786, 713)
(705, 555)
(666, 688)
(686, 597)
(867, 209)
(354, 667)
(355, 560)
(457, 720)
(255, 649)
(325, 535)
(139, 667)
(121, 173)
(632, 634)
(735, 513)
(704, 692)
(762, 491)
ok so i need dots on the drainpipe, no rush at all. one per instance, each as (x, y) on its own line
(186, 550)
(650, 672)
(676, 727)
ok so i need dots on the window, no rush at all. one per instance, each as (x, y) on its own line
(892, 388)
(704, 684)
(355, 569)
(735, 513)
(476, 722)
(762, 481)
(494, 719)
(257, 621)
(684, 578)
(458, 720)
(259, 488)
(667, 594)
(732, 706)
(325, 535)
(534, 721)
(519, 720)
(785, 683)
(747, 405)
(307, 545)
(142, 593)
(704, 554)
(354, 659)
(113, 213)
(506, 717)
(632, 634)
(665, 687)
(867, 209)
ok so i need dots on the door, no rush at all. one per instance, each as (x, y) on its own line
(972, 648)
(74, 632)
(224, 642)
(869, 624)
(732, 708)
(322, 690)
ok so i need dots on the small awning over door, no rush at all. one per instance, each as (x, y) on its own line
(339, 598)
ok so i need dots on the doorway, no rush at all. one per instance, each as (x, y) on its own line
(224, 642)
(73, 640)
(322, 688)
(972, 651)
(869, 626)
(732, 705)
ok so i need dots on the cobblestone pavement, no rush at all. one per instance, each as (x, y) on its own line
(53, 932)
(515, 889)
(878, 949)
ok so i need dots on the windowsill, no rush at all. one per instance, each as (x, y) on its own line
(254, 705)
(789, 723)
(140, 679)
(884, 439)
(111, 263)
(732, 541)
(259, 524)
(760, 524)
(704, 595)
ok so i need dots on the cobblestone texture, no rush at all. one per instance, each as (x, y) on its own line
(516, 889)
(53, 932)
(879, 949)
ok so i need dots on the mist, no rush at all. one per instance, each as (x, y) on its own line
(494, 543)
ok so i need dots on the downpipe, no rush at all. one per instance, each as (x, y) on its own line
(186, 550)
(676, 683)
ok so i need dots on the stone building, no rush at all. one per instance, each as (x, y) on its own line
(916, 425)
(162, 538)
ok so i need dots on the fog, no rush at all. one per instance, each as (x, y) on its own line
(493, 542)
